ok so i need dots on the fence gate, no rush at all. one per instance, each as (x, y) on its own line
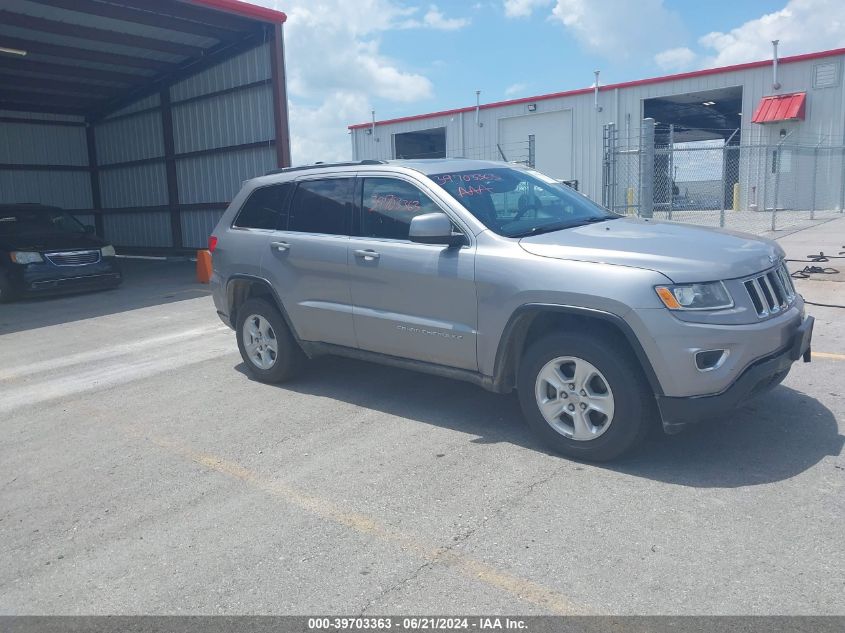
(754, 188)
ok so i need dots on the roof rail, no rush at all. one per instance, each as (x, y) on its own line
(285, 170)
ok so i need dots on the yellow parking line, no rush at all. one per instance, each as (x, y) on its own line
(521, 588)
(828, 355)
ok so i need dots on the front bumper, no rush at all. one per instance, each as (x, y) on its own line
(756, 379)
(33, 280)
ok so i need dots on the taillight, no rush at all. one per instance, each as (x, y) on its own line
(212, 243)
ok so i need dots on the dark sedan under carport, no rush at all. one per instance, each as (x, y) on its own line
(45, 250)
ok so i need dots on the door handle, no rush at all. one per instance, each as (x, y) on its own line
(366, 254)
(280, 246)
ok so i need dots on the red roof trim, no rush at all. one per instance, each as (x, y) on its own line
(245, 9)
(774, 108)
(624, 84)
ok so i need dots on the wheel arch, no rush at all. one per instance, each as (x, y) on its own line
(530, 321)
(239, 288)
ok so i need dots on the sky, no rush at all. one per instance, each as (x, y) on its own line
(402, 57)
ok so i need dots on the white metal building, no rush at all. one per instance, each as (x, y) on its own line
(564, 131)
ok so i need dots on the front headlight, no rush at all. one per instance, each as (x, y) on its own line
(108, 251)
(26, 257)
(707, 296)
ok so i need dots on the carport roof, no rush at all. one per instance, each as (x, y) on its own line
(92, 57)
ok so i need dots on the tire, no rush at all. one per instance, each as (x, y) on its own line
(608, 381)
(274, 356)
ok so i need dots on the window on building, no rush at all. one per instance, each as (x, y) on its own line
(420, 144)
(389, 206)
(322, 206)
(265, 208)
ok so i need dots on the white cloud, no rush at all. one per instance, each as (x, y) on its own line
(523, 8)
(336, 68)
(621, 29)
(318, 132)
(515, 89)
(435, 19)
(679, 58)
(802, 26)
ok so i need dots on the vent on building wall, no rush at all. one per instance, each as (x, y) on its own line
(826, 75)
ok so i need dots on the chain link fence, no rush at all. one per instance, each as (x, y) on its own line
(752, 188)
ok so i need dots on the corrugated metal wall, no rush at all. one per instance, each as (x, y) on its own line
(200, 124)
(233, 118)
(151, 101)
(66, 189)
(142, 229)
(246, 68)
(42, 144)
(240, 117)
(133, 187)
(218, 177)
(134, 133)
(825, 117)
(36, 144)
(133, 138)
(197, 226)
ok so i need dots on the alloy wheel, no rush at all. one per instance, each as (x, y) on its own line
(260, 341)
(574, 398)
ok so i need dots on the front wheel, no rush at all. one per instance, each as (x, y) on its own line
(584, 395)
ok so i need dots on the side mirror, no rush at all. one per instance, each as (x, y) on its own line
(90, 229)
(434, 228)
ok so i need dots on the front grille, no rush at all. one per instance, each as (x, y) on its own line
(772, 291)
(73, 258)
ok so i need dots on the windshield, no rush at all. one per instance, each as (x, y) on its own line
(518, 202)
(38, 221)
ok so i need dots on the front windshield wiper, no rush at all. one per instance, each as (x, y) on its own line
(550, 228)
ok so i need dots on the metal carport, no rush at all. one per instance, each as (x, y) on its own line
(142, 117)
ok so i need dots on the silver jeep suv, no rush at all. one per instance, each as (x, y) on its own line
(500, 276)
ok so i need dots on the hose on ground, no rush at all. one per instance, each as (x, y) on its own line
(805, 273)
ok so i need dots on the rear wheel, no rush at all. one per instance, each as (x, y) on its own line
(267, 347)
(584, 395)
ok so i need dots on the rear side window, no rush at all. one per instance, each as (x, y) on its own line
(265, 208)
(389, 205)
(322, 206)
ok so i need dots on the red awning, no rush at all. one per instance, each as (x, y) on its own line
(780, 108)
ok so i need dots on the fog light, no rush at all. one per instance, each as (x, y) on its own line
(710, 359)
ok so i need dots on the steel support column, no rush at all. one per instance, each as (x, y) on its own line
(280, 97)
(646, 207)
(94, 173)
(170, 163)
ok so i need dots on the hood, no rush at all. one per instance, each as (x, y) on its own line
(682, 252)
(50, 242)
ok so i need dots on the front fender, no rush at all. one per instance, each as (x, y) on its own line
(509, 278)
(510, 344)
